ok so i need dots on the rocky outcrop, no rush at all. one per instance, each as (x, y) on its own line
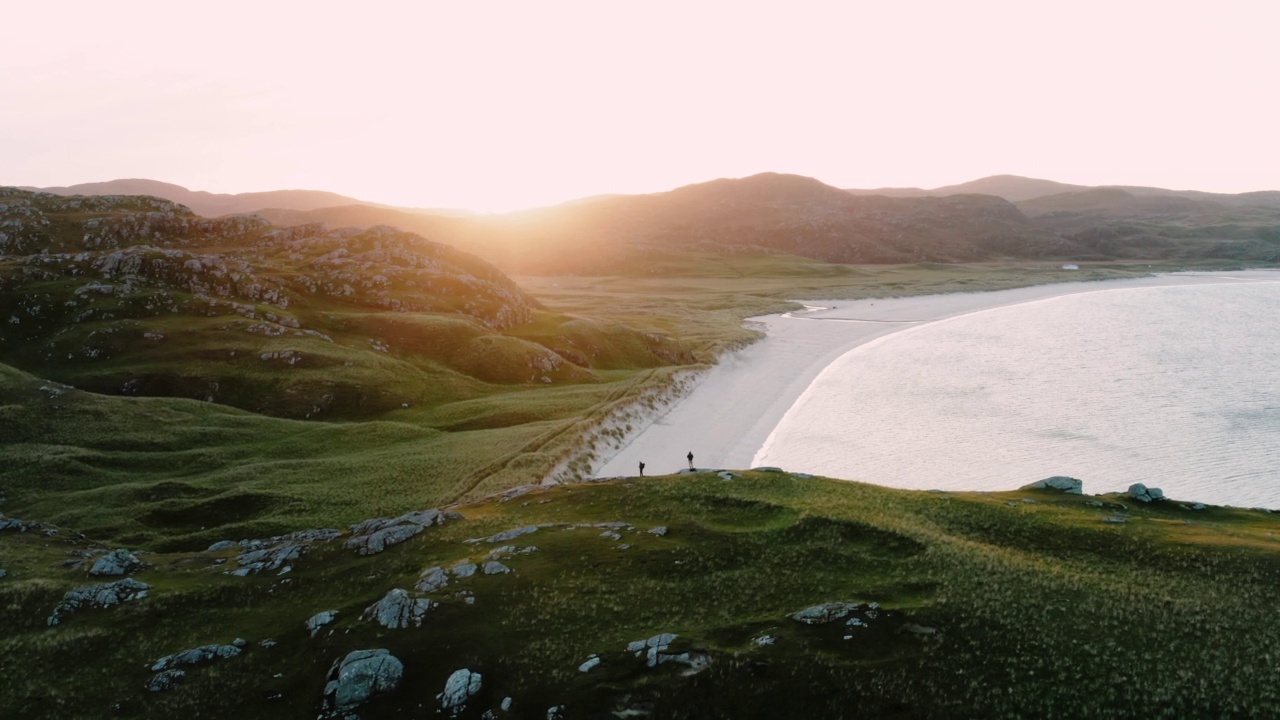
(511, 534)
(8, 523)
(319, 620)
(460, 686)
(276, 553)
(824, 613)
(1142, 493)
(98, 596)
(205, 653)
(590, 664)
(373, 536)
(166, 680)
(398, 609)
(432, 579)
(494, 567)
(357, 677)
(1058, 482)
(117, 562)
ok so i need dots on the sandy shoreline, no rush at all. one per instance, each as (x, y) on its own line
(732, 411)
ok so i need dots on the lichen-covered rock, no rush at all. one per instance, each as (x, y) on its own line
(165, 680)
(1066, 484)
(653, 649)
(193, 656)
(460, 686)
(494, 567)
(357, 677)
(116, 562)
(660, 530)
(319, 620)
(273, 553)
(464, 569)
(373, 536)
(98, 596)
(824, 613)
(432, 579)
(398, 609)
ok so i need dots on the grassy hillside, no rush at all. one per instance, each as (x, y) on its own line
(1020, 604)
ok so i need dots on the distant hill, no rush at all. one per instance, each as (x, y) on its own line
(206, 203)
(1010, 187)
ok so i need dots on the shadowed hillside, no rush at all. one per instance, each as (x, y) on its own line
(207, 203)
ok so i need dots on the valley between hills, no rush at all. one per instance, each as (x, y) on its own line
(338, 459)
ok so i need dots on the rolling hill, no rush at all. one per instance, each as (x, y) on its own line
(206, 203)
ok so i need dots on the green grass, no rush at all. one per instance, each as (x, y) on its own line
(1040, 610)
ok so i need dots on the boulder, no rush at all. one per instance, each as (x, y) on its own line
(432, 579)
(194, 656)
(397, 609)
(494, 567)
(273, 553)
(654, 648)
(3, 573)
(660, 530)
(1066, 484)
(1142, 493)
(373, 536)
(507, 535)
(610, 535)
(166, 680)
(464, 569)
(460, 686)
(221, 545)
(589, 664)
(359, 676)
(824, 613)
(99, 596)
(117, 562)
(319, 620)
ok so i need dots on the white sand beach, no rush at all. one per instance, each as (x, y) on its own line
(729, 415)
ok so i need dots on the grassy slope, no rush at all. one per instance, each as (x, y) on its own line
(1041, 610)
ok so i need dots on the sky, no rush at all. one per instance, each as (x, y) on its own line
(504, 105)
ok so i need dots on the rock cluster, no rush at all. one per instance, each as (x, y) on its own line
(274, 553)
(8, 523)
(1058, 482)
(398, 609)
(356, 678)
(117, 562)
(511, 534)
(193, 656)
(655, 652)
(373, 536)
(165, 680)
(98, 596)
(824, 613)
(460, 686)
(1142, 493)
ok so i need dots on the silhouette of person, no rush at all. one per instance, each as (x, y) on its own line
(641, 468)
(690, 456)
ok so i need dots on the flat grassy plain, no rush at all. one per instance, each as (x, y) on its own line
(990, 606)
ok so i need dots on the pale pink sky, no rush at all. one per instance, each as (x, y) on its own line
(494, 105)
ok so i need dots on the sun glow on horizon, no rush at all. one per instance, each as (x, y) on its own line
(508, 106)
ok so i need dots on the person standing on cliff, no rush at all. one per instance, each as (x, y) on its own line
(641, 468)
(690, 456)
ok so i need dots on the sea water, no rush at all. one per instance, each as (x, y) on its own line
(1173, 387)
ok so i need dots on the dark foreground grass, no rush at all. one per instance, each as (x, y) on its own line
(986, 610)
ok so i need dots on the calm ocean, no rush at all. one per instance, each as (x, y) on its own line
(1176, 387)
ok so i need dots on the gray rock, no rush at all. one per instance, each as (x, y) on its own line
(18, 525)
(589, 664)
(506, 704)
(373, 536)
(611, 535)
(1116, 519)
(222, 545)
(359, 676)
(1196, 506)
(397, 609)
(432, 579)
(511, 534)
(1142, 493)
(275, 552)
(460, 686)
(319, 620)
(768, 469)
(116, 562)
(764, 640)
(660, 530)
(824, 613)
(726, 475)
(166, 680)
(268, 643)
(1066, 484)
(654, 648)
(99, 596)
(239, 642)
(3, 573)
(915, 629)
(464, 569)
(495, 568)
(555, 712)
(194, 656)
